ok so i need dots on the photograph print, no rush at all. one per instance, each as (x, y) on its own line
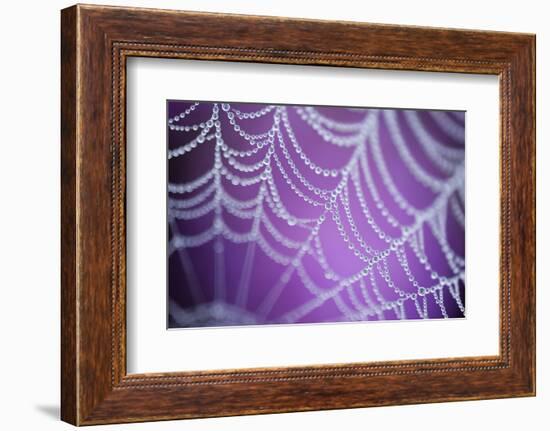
(292, 214)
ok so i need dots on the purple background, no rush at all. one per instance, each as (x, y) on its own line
(208, 284)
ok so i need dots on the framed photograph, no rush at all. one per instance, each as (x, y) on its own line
(265, 214)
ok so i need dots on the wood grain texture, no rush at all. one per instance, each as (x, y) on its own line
(96, 41)
(69, 397)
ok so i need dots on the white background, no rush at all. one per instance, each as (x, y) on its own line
(29, 227)
(151, 348)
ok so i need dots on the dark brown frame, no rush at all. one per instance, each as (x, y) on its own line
(95, 42)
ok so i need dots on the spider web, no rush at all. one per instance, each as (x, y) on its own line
(292, 214)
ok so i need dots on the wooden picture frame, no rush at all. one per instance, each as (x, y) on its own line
(95, 43)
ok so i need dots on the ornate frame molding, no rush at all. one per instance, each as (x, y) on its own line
(96, 41)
